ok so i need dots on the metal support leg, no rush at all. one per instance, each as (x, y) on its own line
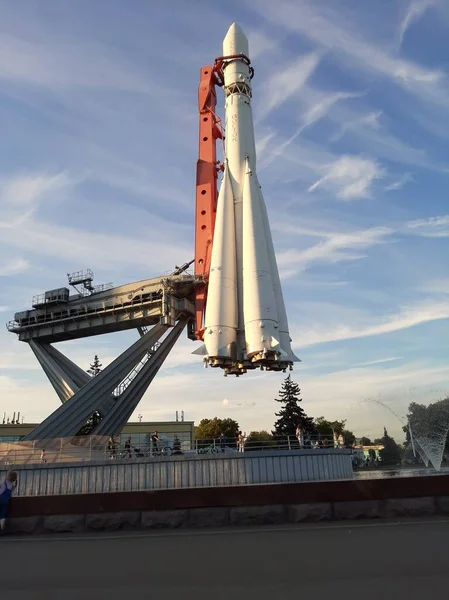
(76, 373)
(69, 418)
(64, 385)
(116, 419)
(78, 376)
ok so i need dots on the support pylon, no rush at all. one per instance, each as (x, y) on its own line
(76, 373)
(117, 417)
(60, 379)
(67, 420)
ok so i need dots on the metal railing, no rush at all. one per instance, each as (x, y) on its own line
(57, 450)
(253, 443)
(97, 448)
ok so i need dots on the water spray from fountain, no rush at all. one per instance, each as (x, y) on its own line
(427, 436)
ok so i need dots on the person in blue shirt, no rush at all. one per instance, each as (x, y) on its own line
(6, 490)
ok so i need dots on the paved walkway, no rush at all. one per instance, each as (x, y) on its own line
(369, 561)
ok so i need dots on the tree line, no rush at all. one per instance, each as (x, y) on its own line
(290, 415)
(424, 421)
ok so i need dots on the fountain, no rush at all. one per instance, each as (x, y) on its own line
(428, 430)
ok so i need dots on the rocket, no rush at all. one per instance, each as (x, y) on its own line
(245, 325)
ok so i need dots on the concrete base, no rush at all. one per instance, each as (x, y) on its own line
(194, 518)
(233, 506)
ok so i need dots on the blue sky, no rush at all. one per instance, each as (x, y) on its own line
(98, 128)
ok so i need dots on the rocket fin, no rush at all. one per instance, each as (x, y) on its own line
(201, 350)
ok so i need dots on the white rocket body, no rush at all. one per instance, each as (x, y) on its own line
(245, 323)
(220, 336)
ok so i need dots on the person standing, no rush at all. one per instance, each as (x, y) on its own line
(6, 490)
(300, 436)
(221, 442)
(128, 447)
(237, 437)
(241, 441)
(156, 440)
(112, 447)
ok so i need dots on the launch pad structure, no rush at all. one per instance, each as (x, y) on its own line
(232, 302)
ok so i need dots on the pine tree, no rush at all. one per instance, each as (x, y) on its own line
(391, 453)
(96, 417)
(177, 446)
(95, 367)
(291, 414)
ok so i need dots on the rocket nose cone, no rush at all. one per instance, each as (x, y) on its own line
(235, 41)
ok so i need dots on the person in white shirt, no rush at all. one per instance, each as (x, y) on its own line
(300, 436)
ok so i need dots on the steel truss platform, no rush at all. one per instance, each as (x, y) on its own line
(143, 303)
(158, 308)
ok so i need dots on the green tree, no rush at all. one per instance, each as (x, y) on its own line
(428, 422)
(95, 367)
(95, 417)
(257, 439)
(327, 429)
(392, 452)
(177, 446)
(211, 429)
(365, 441)
(291, 414)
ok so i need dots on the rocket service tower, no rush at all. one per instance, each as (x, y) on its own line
(245, 321)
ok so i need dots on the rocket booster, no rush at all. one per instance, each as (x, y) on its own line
(245, 320)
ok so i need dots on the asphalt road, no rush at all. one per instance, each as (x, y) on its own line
(338, 562)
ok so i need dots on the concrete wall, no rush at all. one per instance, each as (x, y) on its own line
(233, 506)
(190, 471)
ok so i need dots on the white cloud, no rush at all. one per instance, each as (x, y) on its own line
(4, 308)
(262, 143)
(13, 267)
(371, 120)
(399, 183)
(322, 107)
(415, 10)
(433, 227)
(52, 62)
(288, 81)
(27, 189)
(225, 402)
(370, 130)
(314, 113)
(351, 176)
(336, 247)
(329, 29)
(111, 251)
(343, 394)
(379, 361)
(259, 43)
(361, 326)
(438, 286)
